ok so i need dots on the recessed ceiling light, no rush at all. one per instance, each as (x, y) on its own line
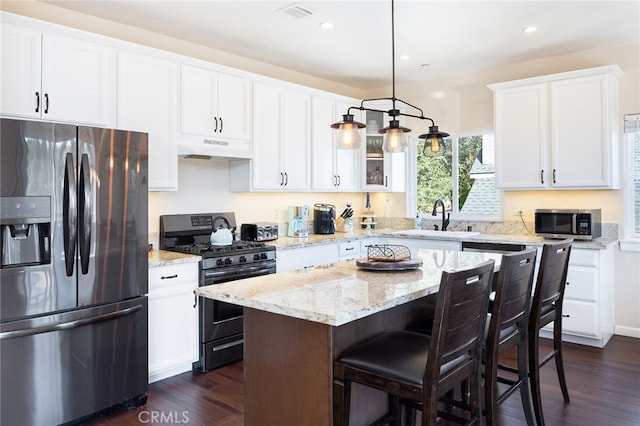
(326, 25)
(404, 57)
(529, 29)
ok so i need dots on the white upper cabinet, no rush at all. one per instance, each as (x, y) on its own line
(147, 100)
(57, 78)
(382, 172)
(558, 131)
(333, 169)
(281, 142)
(215, 112)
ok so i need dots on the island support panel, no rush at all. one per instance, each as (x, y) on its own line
(288, 365)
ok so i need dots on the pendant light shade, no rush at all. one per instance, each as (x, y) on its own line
(395, 139)
(349, 136)
(434, 142)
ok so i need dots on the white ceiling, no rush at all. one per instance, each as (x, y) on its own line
(450, 36)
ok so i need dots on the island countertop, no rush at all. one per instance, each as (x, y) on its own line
(338, 294)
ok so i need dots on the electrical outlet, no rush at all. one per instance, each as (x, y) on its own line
(518, 211)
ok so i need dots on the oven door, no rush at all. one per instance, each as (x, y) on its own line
(220, 319)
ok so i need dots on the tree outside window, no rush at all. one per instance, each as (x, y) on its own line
(463, 178)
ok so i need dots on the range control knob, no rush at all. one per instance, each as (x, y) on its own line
(263, 256)
(219, 262)
(256, 256)
(242, 259)
(227, 261)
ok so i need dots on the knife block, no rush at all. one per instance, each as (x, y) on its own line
(344, 225)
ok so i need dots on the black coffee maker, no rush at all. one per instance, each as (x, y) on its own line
(324, 219)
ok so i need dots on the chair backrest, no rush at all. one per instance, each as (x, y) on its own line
(551, 282)
(459, 319)
(514, 286)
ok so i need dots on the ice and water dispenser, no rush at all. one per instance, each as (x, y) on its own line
(25, 224)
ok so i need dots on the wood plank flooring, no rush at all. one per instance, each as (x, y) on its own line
(604, 386)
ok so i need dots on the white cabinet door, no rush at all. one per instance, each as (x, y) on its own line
(333, 169)
(147, 95)
(57, 78)
(581, 133)
(21, 69)
(267, 162)
(521, 137)
(214, 105)
(296, 140)
(306, 257)
(324, 177)
(281, 142)
(382, 172)
(558, 131)
(173, 320)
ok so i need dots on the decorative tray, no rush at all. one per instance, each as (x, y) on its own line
(388, 257)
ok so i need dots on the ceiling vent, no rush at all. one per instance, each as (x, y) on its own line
(295, 11)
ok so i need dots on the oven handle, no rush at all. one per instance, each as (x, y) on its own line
(246, 272)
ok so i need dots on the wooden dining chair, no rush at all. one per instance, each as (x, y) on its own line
(419, 368)
(507, 327)
(546, 308)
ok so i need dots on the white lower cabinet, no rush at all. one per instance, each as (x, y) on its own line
(349, 250)
(173, 320)
(588, 314)
(306, 257)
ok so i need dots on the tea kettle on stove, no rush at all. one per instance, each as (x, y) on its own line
(222, 235)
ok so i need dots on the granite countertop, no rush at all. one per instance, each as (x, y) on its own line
(341, 293)
(284, 242)
(158, 258)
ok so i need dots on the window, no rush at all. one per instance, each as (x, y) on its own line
(463, 178)
(631, 233)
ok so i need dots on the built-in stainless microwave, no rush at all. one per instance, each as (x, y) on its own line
(568, 223)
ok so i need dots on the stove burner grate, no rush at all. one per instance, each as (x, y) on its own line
(202, 249)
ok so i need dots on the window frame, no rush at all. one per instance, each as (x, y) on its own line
(630, 240)
(411, 184)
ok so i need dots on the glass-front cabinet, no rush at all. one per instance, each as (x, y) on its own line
(382, 172)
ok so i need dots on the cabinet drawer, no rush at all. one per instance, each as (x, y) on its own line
(582, 283)
(584, 257)
(349, 248)
(579, 318)
(173, 275)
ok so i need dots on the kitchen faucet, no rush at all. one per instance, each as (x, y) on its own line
(445, 222)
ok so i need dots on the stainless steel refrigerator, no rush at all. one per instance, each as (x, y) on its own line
(73, 277)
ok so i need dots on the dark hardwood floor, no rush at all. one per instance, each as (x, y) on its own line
(604, 386)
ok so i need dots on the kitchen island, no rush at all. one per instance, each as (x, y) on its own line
(297, 323)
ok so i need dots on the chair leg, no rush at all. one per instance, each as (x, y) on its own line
(534, 379)
(557, 347)
(523, 377)
(491, 392)
(341, 402)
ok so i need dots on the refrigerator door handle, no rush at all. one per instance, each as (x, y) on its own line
(84, 210)
(70, 324)
(69, 214)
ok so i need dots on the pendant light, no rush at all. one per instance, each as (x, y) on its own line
(395, 139)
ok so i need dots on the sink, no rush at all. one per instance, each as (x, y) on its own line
(432, 233)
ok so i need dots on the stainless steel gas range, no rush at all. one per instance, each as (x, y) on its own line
(220, 324)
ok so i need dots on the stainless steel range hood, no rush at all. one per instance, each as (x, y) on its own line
(214, 148)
